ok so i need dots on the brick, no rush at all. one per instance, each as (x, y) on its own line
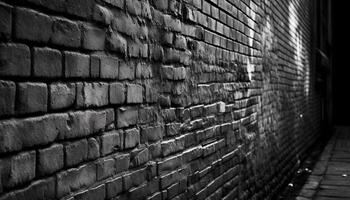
(156, 52)
(22, 168)
(93, 149)
(125, 24)
(169, 164)
(135, 178)
(105, 168)
(146, 10)
(50, 159)
(109, 67)
(47, 62)
(180, 73)
(111, 142)
(32, 97)
(126, 116)
(139, 157)
(114, 187)
(117, 43)
(122, 162)
(132, 138)
(161, 4)
(126, 71)
(155, 150)
(92, 94)
(172, 23)
(84, 123)
(116, 93)
(175, 7)
(95, 63)
(76, 65)
(172, 129)
(93, 38)
(168, 147)
(134, 93)
(38, 131)
(151, 134)
(41, 189)
(180, 42)
(7, 98)
(66, 33)
(57, 6)
(15, 60)
(133, 7)
(5, 21)
(62, 95)
(81, 8)
(147, 115)
(75, 179)
(116, 3)
(102, 14)
(96, 193)
(33, 26)
(75, 152)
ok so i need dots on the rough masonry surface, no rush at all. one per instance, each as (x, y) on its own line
(154, 99)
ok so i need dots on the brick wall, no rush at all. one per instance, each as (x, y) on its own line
(154, 99)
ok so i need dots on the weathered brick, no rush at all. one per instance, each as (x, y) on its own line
(134, 93)
(180, 42)
(151, 134)
(57, 6)
(47, 62)
(7, 98)
(111, 142)
(135, 178)
(169, 164)
(114, 187)
(75, 152)
(105, 168)
(133, 7)
(95, 63)
(50, 159)
(75, 179)
(96, 193)
(122, 162)
(125, 24)
(93, 38)
(33, 26)
(132, 138)
(172, 129)
(116, 93)
(41, 190)
(93, 149)
(92, 94)
(109, 67)
(139, 157)
(62, 95)
(102, 14)
(66, 33)
(32, 97)
(84, 123)
(155, 150)
(161, 4)
(126, 71)
(81, 8)
(22, 169)
(38, 131)
(147, 115)
(5, 20)
(15, 60)
(126, 116)
(116, 42)
(172, 23)
(76, 65)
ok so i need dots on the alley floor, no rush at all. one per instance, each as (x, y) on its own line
(330, 178)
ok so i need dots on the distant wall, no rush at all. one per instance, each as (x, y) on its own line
(154, 99)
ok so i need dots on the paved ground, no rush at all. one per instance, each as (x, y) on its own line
(330, 178)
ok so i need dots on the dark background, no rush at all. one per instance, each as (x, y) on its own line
(341, 57)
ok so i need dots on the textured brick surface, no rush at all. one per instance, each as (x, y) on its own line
(154, 99)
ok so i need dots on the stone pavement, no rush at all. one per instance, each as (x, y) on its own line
(330, 178)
